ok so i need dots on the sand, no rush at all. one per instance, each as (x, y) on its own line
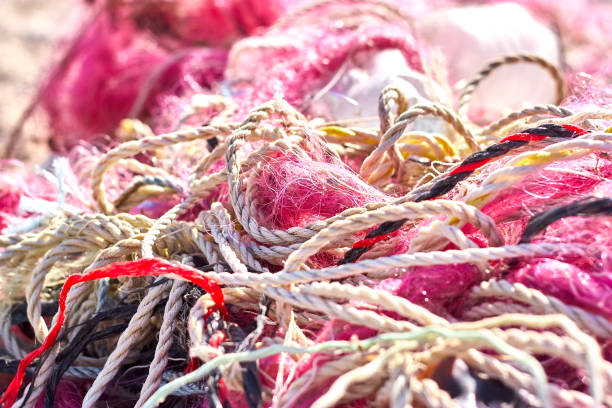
(29, 33)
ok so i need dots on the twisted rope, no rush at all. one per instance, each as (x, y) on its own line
(470, 87)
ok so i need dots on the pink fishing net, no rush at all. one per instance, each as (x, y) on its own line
(172, 67)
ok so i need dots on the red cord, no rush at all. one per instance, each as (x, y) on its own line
(194, 363)
(143, 267)
(217, 338)
(215, 341)
(371, 241)
(469, 166)
(523, 137)
(576, 130)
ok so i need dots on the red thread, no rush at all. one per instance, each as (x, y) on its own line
(523, 137)
(519, 137)
(575, 129)
(223, 391)
(193, 364)
(143, 267)
(217, 338)
(469, 167)
(368, 242)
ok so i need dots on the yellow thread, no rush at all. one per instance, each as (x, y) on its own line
(446, 146)
(338, 131)
(480, 201)
(347, 134)
(541, 158)
(534, 159)
(416, 148)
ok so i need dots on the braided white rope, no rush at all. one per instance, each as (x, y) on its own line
(376, 297)
(522, 381)
(595, 324)
(160, 359)
(359, 222)
(9, 341)
(395, 132)
(372, 372)
(124, 344)
(390, 264)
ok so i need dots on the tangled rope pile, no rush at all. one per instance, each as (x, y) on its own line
(272, 258)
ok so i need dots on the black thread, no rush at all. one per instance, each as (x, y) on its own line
(446, 184)
(582, 208)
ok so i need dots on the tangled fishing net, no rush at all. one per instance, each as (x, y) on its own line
(295, 204)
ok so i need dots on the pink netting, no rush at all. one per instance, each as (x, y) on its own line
(149, 61)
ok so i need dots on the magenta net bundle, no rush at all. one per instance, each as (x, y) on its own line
(315, 204)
